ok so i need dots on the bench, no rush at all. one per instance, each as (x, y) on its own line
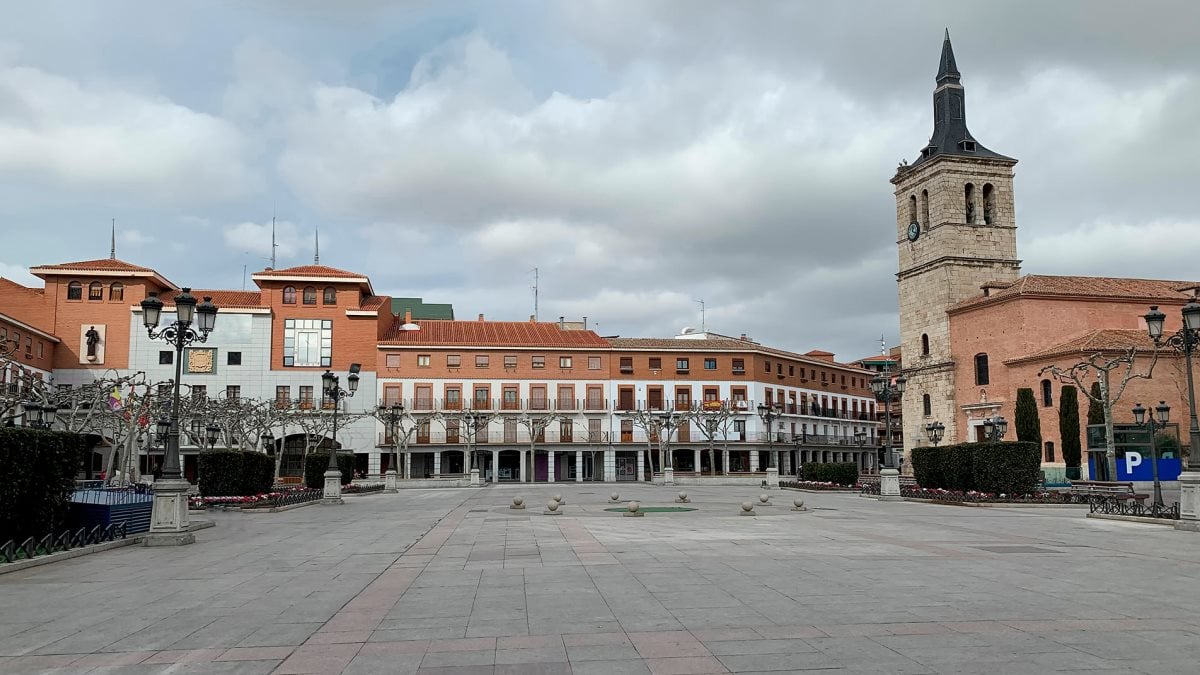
(1100, 490)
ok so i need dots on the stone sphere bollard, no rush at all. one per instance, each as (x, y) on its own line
(614, 498)
(747, 509)
(559, 499)
(518, 503)
(552, 508)
(798, 504)
(634, 510)
(764, 499)
(682, 498)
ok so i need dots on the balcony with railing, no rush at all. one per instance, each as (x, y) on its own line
(519, 437)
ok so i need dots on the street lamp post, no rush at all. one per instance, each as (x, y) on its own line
(935, 431)
(193, 322)
(769, 413)
(1185, 340)
(860, 439)
(38, 416)
(391, 416)
(666, 422)
(887, 390)
(334, 392)
(472, 419)
(1153, 423)
(994, 428)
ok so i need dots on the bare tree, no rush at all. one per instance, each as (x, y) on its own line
(401, 424)
(653, 424)
(1104, 367)
(535, 425)
(713, 421)
(474, 422)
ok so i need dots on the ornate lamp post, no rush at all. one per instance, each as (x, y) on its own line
(1163, 414)
(1185, 340)
(38, 416)
(935, 431)
(769, 413)
(860, 439)
(211, 435)
(666, 422)
(994, 428)
(887, 390)
(193, 322)
(334, 392)
(268, 442)
(391, 416)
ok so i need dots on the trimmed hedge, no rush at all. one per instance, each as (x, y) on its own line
(1000, 468)
(38, 470)
(231, 473)
(315, 464)
(842, 473)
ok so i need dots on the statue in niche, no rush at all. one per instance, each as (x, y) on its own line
(93, 339)
(970, 211)
(987, 211)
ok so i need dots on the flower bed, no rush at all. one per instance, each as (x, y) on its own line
(259, 501)
(973, 496)
(818, 485)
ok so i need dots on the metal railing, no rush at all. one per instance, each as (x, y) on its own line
(31, 547)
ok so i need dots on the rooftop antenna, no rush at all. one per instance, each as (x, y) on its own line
(112, 249)
(243, 277)
(535, 294)
(703, 326)
(316, 246)
(273, 244)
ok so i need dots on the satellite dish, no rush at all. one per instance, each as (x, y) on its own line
(687, 330)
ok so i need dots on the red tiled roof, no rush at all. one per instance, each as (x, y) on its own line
(1093, 287)
(310, 271)
(101, 265)
(1093, 342)
(719, 343)
(491, 334)
(373, 302)
(220, 298)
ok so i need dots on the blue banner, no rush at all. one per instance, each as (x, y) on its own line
(1136, 466)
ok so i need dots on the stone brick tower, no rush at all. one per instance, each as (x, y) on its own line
(955, 231)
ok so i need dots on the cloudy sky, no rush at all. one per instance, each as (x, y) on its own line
(642, 155)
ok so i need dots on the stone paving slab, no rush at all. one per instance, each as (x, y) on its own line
(452, 581)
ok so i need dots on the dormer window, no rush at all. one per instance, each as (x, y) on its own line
(967, 146)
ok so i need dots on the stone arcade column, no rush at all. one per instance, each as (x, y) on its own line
(437, 464)
(610, 465)
(495, 466)
(523, 478)
(579, 466)
(373, 463)
(550, 466)
(408, 465)
(696, 461)
(753, 461)
(641, 465)
(725, 462)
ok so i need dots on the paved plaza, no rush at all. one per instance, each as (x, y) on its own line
(453, 581)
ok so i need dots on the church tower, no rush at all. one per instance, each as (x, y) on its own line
(955, 232)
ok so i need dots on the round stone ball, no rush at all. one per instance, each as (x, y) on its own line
(551, 505)
(557, 498)
(682, 495)
(517, 501)
(764, 498)
(614, 496)
(799, 503)
(747, 506)
(634, 507)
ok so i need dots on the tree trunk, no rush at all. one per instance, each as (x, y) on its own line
(1110, 452)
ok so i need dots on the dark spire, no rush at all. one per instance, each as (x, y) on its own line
(948, 70)
(950, 135)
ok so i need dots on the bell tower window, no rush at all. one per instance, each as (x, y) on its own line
(969, 203)
(989, 206)
(925, 209)
(912, 209)
(924, 344)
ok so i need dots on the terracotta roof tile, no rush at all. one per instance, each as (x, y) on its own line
(221, 298)
(1092, 342)
(373, 302)
(1094, 287)
(491, 334)
(101, 265)
(310, 271)
(719, 343)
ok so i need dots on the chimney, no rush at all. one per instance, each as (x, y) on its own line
(585, 323)
(532, 319)
(743, 337)
(561, 322)
(408, 316)
(481, 316)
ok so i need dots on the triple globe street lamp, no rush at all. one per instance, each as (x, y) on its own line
(334, 392)
(38, 416)
(1157, 420)
(769, 413)
(193, 323)
(994, 428)
(1185, 341)
(935, 431)
(888, 390)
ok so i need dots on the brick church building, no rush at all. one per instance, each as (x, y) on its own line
(973, 329)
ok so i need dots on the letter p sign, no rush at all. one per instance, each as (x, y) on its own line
(1132, 459)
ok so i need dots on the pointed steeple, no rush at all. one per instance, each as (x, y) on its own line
(947, 69)
(950, 135)
(316, 246)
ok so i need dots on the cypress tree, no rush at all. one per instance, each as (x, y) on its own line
(1095, 409)
(1068, 426)
(1029, 427)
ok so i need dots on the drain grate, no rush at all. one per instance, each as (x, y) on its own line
(479, 511)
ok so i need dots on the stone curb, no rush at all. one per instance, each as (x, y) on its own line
(1133, 519)
(19, 565)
